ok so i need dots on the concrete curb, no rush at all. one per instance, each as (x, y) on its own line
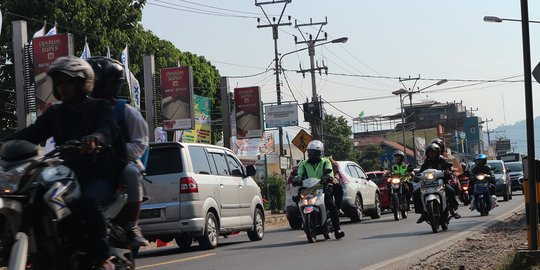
(411, 257)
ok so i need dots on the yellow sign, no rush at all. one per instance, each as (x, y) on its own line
(301, 140)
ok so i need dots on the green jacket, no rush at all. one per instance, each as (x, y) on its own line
(308, 170)
(402, 169)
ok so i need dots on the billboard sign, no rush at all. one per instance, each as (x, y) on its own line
(202, 132)
(283, 115)
(248, 112)
(46, 50)
(177, 98)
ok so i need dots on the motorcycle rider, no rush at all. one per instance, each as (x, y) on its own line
(404, 169)
(482, 168)
(456, 166)
(92, 122)
(110, 78)
(435, 161)
(317, 167)
(337, 187)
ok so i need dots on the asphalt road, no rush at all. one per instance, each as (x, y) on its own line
(371, 244)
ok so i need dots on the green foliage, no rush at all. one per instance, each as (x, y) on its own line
(338, 141)
(104, 23)
(273, 191)
(370, 158)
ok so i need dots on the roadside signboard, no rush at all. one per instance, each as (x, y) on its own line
(247, 102)
(283, 115)
(177, 98)
(46, 50)
(301, 140)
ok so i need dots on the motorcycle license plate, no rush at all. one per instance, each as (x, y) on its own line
(429, 184)
(309, 191)
(482, 185)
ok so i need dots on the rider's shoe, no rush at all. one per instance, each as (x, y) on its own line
(339, 234)
(136, 238)
(455, 214)
(422, 218)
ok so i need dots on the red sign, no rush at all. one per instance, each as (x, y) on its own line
(177, 98)
(46, 50)
(248, 112)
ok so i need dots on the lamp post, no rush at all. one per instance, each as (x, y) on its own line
(400, 92)
(529, 119)
(315, 123)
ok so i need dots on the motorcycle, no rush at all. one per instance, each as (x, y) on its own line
(464, 196)
(433, 197)
(40, 223)
(482, 197)
(400, 204)
(315, 217)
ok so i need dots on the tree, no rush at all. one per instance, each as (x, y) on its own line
(111, 24)
(370, 158)
(337, 138)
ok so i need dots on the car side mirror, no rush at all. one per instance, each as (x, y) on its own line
(251, 171)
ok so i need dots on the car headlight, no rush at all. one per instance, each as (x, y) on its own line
(9, 179)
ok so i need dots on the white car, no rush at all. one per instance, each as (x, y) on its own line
(360, 195)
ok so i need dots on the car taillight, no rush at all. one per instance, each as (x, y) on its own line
(343, 179)
(188, 185)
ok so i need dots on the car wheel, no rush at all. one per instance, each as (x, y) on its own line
(377, 211)
(209, 240)
(257, 233)
(505, 195)
(184, 241)
(295, 223)
(357, 212)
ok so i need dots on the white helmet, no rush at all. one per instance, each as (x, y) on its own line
(316, 145)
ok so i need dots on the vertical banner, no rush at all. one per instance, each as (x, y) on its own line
(177, 98)
(420, 143)
(202, 131)
(46, 50)
(248, 112)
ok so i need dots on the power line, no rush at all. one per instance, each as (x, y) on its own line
(337, 108)
(197, 11)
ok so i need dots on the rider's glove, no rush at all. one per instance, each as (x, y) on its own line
(90, 144)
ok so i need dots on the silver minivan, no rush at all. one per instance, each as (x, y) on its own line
(199, 192)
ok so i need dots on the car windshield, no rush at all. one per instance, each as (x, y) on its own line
(515, 167)
(497, 166)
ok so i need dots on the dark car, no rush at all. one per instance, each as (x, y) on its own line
(377, 178)
(515, 171)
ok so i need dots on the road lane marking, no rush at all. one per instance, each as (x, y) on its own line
(176, 261)
(387, 264)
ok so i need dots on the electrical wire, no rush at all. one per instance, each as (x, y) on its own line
(337, 108)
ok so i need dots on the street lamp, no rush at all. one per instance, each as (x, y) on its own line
(495, 19)
(529, 119)
(402, 91)
(315, 123)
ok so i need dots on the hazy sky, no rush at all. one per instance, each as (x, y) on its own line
(387, 39)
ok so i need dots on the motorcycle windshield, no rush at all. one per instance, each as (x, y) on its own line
(312, 183)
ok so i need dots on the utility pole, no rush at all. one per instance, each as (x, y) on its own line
(410, 92)
(275, 25)
(488, 131)
(316, 121)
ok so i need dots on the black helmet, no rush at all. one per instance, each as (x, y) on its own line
(439, 142)
(110, 76)
(433, 147)
(399, 153)
(73, 67)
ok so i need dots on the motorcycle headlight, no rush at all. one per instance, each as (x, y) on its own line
(481, 176)
(9, 179)
(308, 200)
(465, 187)
(396, 180)
(430, 176)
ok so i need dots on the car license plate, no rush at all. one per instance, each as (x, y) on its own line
(150, 213)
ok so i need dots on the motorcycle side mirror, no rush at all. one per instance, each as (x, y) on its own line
(327, 171)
